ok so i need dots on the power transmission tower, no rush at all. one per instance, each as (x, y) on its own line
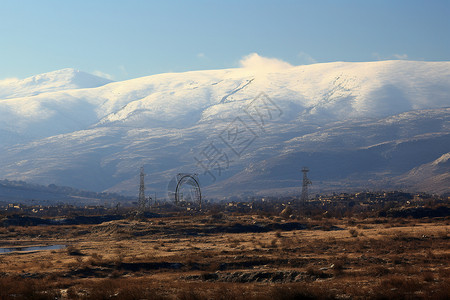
(305, 184)
(142, 200)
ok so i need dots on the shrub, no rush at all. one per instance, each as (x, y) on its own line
(353, 232)
(428, 276)
(72, 250)
(299, 292)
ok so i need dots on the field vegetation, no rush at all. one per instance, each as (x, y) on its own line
(232, 255)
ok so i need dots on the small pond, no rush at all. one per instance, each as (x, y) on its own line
(32, 248)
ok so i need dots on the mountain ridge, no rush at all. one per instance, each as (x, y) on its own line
(166, 121)
(54, 81)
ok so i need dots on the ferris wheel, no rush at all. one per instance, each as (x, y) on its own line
(184, 190)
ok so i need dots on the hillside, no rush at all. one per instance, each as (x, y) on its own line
(356, 125)
(25, 193)
(64, 79)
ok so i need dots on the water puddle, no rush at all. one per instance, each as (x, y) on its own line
(31, 248)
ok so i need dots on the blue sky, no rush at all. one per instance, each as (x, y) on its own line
(129, 39)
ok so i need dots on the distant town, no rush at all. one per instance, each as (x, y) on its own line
(375, 204)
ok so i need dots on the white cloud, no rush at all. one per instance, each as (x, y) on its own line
(123, 69)
(103, 75)
(201, 55)
(393, 56)
(400, 56)
(377, 56)
(256, 62)
(306, 59)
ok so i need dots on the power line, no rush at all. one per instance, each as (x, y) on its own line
(305, 184)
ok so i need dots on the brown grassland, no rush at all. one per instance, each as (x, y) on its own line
(231, 256)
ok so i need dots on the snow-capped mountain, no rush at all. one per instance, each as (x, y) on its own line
(49, 82)
(355, 125)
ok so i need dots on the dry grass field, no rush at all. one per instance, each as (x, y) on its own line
(219, 256)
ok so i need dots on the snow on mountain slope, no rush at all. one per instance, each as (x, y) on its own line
(431, 177)
(49, 82)
(373, 153)
(322, 92)
(356, 118)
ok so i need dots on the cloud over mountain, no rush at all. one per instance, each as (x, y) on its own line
(256, 62)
